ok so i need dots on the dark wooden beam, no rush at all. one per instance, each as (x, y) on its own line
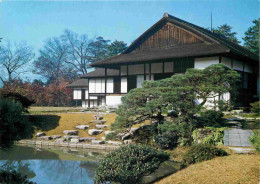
(144, 72)
(150, 69)
(105, 85)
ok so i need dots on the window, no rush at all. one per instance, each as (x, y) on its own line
(117, 85)
(77, 94)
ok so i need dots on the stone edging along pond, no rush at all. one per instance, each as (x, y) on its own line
(70, 145)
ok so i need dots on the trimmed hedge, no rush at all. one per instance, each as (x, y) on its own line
(128, 164)
(201, 152)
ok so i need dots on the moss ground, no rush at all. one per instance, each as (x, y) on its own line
(55, 124)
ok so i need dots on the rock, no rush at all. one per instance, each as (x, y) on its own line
(115, 142)
(101, 126)
(98, 142)
(128, 141)
(71, 132)
(40, 134)
(69, 137)
(242, 150)
(108, 132)
(74, 140)
(87, 139)
(55, 136)
(82, 127)
(60, 140)
(98, 121)
(237, 111)
(45, 137)
(133, 130)
(165, 169)
(103, 138)
(126, 136)
(94, 131)
(98, 117)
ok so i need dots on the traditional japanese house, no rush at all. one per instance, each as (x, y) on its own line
(170, 46)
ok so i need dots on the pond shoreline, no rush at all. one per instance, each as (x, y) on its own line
(66, 144)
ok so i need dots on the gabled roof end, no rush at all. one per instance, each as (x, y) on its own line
(165, 14)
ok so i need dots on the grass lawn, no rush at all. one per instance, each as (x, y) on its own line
(42, 110)
(55, 124)
(235, 168)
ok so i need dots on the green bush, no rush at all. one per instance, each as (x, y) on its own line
(201, 152)
(255, 107)
(128, 164)
(112, 136)
(167, 140)
(255, 140)
(13, 124)
(214, 136)
(13, 177)
(211, 118)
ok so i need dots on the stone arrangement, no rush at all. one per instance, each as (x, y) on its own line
(71, 137)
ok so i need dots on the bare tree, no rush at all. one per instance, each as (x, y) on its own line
(79, 55)
(51, 63)
(13, 59)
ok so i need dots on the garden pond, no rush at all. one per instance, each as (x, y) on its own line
(52, 165)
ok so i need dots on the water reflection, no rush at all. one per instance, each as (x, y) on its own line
(53, 166)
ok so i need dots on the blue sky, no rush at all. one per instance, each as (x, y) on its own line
(35, 21)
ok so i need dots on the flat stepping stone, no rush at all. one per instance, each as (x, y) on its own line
(55, 136)
(128, 141)
(101, 126)
(94, 131)
(242, 150)
(82, 127)
(45, 138)
(99, 121)
(74, 140)
(115, 142)
(71, 132)
(69, 137)
(108, 132)
(60, 140)
(98, 142)
(40, 134)
(87, 139)
(237, 137)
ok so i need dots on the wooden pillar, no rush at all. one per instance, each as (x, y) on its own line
(144, 72)
(150, 69)
(220, 59)
(88, 95)
(163, 67)
(127, 78)
(105, 86)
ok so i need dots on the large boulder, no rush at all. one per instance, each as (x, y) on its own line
(55, 136)
(101, 126)
(71, 132)
(98, 142)
(94, 131)
(87, 139)
(46, 138)
(40, 134)
(82, 127)
(69, 137)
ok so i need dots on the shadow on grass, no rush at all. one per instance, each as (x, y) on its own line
(45, 122)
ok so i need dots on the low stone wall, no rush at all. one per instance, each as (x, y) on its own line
(70, 145)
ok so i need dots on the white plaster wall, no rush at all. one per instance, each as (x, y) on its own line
(135, 69)
(225, 97)
(77, 94)
(113, 100)
(226, 61)
(110, 85)
(123, 85)
(123, 70)
(98, 86)
(140, 80)
(93, 97)
(201, 63)
(156, 67)
(237, 65)
(168, 67)
(152, 77)
(85, 103)
(92, 85)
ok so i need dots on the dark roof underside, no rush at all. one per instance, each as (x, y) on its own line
(214, 44)
(172, 52)
(78, 83)
(100, 72)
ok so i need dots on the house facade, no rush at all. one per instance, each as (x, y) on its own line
(169, 47)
